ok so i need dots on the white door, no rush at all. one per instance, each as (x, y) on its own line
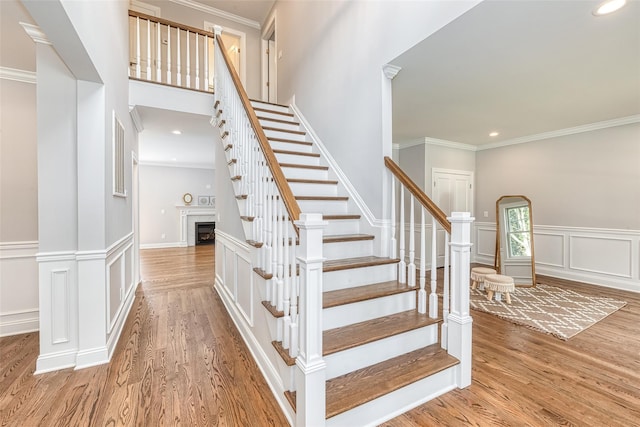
(452, 192)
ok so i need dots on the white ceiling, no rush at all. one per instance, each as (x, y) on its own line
(521, 68)
(158, 145)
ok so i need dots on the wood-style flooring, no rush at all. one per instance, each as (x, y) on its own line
(180, 361)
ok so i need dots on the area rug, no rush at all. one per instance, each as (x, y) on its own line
(559, 312)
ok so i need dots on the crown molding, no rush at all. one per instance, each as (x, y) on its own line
(135, 117)
(564, 132)
(217, 12)
(35, 33)
(450, 144)
(16, 75)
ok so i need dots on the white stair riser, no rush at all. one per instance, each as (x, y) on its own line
(272, 115)
(384, 408)
(347, 314)
(378, 351)
(280, 125)
(323, 206)
(340, 250)
(349, 278)
(272, 107)
(285, 135)
(346, 226)
(297, 159)
(314, 189)
(290, 146)
(303, 173)
(247, 226)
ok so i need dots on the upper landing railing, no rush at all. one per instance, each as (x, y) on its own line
(169, 53)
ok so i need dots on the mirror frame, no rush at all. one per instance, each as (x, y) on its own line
(497, 258)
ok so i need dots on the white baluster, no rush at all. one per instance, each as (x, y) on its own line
(422, 294)
(138, 73)
(158, 54)
(149, 77)
(445, 295)
(433, 297)
(197, 63)
(274, 232)
(178, 75)
(188, 62)
(402, 266)
(287, 286)
(411, 279)
(168, 54)
(295, 292)
(279, 250)
(206, 63)
(394, 243)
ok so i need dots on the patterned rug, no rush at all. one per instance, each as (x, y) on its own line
(559, 312)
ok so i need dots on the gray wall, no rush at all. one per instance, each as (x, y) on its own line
(161, 190)
(589, 179)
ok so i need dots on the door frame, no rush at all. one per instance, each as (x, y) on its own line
(208, 26)
(268, 32)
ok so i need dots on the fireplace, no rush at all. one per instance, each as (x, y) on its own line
(205, 233)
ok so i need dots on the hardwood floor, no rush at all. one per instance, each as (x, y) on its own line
(180, 361)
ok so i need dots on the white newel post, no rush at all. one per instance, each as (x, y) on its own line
(310, 375)
(460, 322)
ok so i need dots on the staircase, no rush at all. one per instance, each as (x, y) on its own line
(379, 351)
(342, 331)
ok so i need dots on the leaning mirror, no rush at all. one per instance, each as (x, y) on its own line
(514, 240)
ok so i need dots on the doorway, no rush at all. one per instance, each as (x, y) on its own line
(269, 62)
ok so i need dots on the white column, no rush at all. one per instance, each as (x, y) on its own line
(310, 375)
(388, 73)
(460, 322)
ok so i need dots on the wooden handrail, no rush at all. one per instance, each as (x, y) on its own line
(170, 23)
(422, 198)
(288, 198)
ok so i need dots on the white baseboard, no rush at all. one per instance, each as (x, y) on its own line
(20, 322)
(161, 245)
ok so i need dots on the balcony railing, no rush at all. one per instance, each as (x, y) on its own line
(169, 53)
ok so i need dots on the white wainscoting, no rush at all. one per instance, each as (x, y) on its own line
(235, 283)
(605, 257)
(19, 304)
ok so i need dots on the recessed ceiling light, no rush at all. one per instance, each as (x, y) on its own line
(176, 132)
(494, 134)
(608, 7)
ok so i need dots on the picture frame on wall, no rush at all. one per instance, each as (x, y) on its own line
(212, 201)
(203, 200)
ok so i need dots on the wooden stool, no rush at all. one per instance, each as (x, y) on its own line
(477, 276)
(499, 284)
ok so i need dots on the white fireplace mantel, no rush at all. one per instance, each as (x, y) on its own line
(189, 215)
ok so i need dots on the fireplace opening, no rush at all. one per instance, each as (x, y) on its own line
(205, 233)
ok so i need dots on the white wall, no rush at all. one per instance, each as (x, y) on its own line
(585, 193)
(332, 58)
(161, 190)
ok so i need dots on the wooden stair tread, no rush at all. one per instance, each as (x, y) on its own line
(288, 122)
(323, 198)
(297, 153)
(337, 238)
(260, 272)
(366, 384)
(312, 181)
(290, 361)
(297, 132)
(292, 165)
(273, 111)
(272, 309)
(363, 293)
(291, 141)
(359, 262)
(356, 334)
